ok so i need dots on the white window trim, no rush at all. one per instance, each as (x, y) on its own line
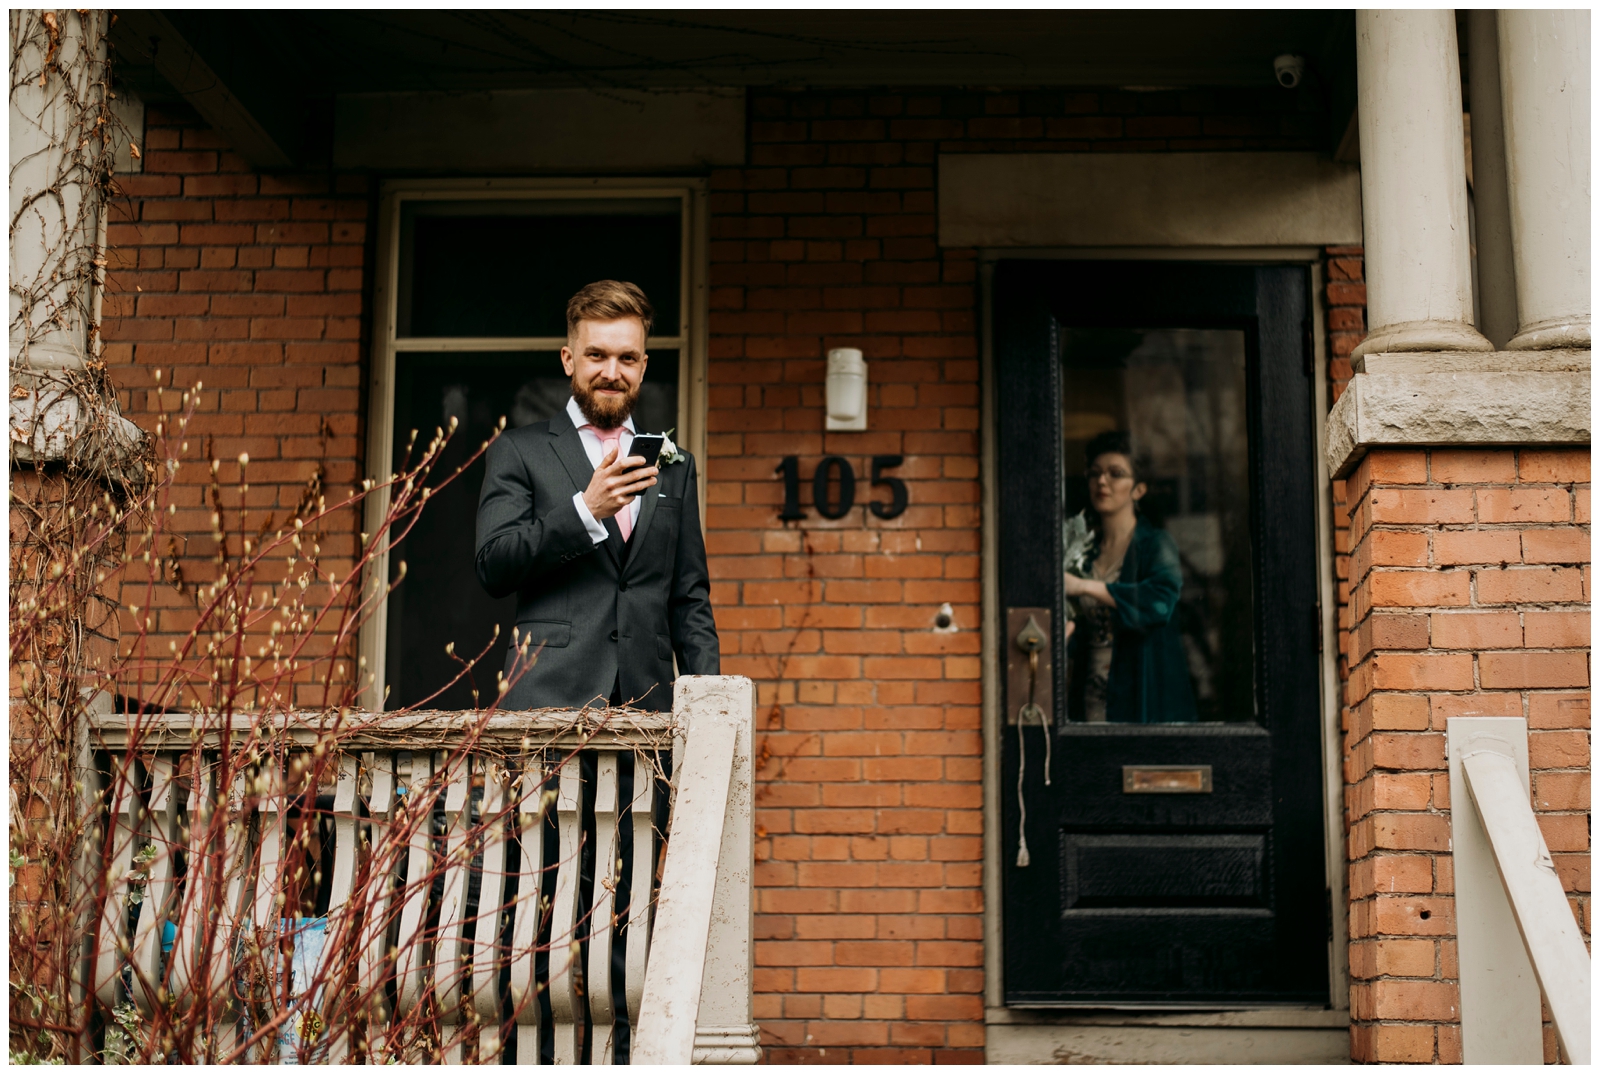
(691, 342)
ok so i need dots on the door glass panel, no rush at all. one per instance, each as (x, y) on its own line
(1179, 395)
(505, 269)
(440, 600)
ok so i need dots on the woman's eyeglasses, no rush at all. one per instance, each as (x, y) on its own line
(1115, 474)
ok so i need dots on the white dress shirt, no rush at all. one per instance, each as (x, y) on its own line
(591, 447)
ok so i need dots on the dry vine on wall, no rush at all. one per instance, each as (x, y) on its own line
(75, 479)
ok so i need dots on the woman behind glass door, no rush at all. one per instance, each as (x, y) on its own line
(1126, 654)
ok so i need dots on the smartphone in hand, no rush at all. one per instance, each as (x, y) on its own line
(647, 445)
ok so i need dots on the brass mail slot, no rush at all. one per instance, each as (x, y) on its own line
(1166, 779)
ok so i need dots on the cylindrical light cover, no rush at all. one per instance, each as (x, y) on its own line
(847, 389)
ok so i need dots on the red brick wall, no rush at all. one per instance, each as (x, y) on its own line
(870, 808)
(1470, 590)
(870, 902)
(871, 825)
(1463, 590)
(250, 284)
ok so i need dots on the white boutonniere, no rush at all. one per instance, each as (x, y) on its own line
(669, 451)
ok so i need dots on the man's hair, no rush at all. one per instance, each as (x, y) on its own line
(608, 300)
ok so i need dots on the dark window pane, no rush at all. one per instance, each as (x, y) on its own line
(507, 268)
(1180, 394)
(440, 600)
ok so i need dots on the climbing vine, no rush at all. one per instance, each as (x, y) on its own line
(78, 469)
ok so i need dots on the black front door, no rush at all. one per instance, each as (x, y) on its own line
(1163, 839)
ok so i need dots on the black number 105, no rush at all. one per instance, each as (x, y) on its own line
(837, 468)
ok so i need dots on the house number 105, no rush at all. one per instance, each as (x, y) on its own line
(834, 468)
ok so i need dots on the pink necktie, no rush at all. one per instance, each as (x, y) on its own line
(609, 439)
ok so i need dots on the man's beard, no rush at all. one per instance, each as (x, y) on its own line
(604, 412)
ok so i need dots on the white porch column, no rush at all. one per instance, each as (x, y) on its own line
(57, 88)
(1544, 80)
(63, 141)
(1414, 184)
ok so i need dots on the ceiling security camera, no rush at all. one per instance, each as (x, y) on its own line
(1289, 69)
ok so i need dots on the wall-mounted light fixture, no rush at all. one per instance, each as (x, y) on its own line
(847, 390)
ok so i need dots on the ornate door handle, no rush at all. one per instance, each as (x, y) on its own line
(1032, 640)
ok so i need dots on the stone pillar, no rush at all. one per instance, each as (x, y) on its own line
(1544, 80)
(1491, 198)
(57, 82)
(1414, 184)
(63, 141)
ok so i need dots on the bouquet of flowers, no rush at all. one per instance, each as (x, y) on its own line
(1077, 548)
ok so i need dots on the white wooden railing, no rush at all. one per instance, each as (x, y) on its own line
(511, 922)
(1516, 936)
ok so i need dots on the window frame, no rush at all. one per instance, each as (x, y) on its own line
(387, 344)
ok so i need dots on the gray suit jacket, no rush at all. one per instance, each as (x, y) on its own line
(600, 612)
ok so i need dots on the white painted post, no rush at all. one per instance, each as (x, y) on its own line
(717, 712)
(1500, 1018)
(725, 1032)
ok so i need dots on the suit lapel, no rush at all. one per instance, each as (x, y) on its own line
(569, 449)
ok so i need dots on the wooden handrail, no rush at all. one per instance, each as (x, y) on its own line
(1549, 931)
(1515, 930)
(385, 730)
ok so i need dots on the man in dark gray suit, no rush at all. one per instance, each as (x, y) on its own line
(602, 549)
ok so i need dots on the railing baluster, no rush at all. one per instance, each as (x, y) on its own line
(641, 884)
(236, 857)
(269, 791)
(340, 909)
(162, 832)
(193, 923)
(564, 962)
(377, 895)
(525, 923)
(486, 953)
(122, 828)
(597, 981)
(450, 964)
(418, 816)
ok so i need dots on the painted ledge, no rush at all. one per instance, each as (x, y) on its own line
(1509, 399)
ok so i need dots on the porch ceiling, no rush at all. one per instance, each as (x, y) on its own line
(366, 51)
(278, 65)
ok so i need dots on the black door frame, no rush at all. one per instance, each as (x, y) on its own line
(1317, 546)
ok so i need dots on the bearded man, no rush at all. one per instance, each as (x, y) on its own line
(603, 549)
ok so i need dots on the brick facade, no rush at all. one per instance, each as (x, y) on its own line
(252, 286)
(1463, 581)
(1469, 578)
(870, 840)
(1463, 576)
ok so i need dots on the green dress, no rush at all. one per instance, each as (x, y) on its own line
(1148, 681)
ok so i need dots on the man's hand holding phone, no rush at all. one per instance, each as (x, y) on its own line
(618, 480)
